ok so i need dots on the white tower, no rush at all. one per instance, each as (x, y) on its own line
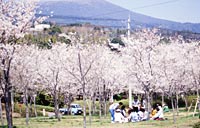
(129, 27)
(128, 41)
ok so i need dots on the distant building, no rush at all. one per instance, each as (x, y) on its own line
(113, 46)
(40, 27)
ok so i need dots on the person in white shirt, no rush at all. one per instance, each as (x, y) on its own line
(143, 115)
(112, 109)
(119, 118)
(136, 102)
(134, 116)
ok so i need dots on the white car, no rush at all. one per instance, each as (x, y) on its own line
(75, 109)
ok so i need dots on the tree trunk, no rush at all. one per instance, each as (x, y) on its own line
(27, 108)
(8, 87)
(195, 108)
(130, 96)
(104, 98)
(12, 99)
(2, 121)
(68, 108)
(84, 107)
(177, 108)
(196, 102)
(84, 93)
(105, 108)
(8, 105)
(30, 107)
(56, 108)
(186, 103)
(84, 101)
(148, 105)
(100, 114)
(90, 111)
(172, 102)
(35, 110)
(198, 99)
(93, 104)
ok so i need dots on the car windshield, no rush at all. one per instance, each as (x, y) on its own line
(78, 106)
(72, 106)
(75, 106)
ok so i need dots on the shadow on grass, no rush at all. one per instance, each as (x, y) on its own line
(5, 126)
(44, 119)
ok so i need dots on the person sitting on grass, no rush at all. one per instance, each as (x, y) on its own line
(119, 118)
(165, 108)
(134, 116)
(159, 115)
(153, 112)
(143, 115)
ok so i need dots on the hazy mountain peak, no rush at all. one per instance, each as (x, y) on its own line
(102, 12)
(75, 1)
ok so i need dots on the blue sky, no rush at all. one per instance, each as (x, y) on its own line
(174, 10)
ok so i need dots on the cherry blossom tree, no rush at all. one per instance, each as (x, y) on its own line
(106, 77)
(16, 17)
(143, 68)
(155, 66)
(192, 68)
(52, 75)
(24, 73)
(175, 70)
(80, 66)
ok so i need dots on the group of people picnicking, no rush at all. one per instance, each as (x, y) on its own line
(137, 113)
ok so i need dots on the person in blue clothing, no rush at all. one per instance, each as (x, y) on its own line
(112, 108)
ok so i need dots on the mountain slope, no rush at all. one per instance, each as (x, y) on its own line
(101, 12)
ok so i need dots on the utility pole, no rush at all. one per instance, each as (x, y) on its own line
(128, 38)
(129, 28)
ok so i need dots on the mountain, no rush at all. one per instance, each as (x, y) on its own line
(101, 12)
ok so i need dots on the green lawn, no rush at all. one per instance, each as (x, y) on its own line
(77, 122)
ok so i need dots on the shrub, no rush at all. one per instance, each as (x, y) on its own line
(21, 108)
(47, 108)
(43, 99)
(191, 99)
(64, 40)
(54, 30)
(118, 41)
(117, 97)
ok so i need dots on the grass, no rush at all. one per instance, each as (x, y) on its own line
(183, 121)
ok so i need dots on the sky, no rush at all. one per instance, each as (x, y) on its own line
(174, 10)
